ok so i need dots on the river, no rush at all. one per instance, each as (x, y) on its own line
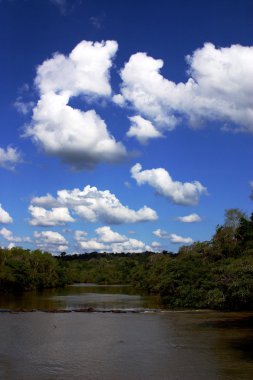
(125, 336)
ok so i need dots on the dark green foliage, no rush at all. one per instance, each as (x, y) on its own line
(244, 233)
(25, 270)
(215, 274)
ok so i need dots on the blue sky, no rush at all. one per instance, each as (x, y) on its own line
(125, 126)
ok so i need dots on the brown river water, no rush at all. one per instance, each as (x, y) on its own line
(143, 342)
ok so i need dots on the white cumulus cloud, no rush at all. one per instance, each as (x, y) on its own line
(173, 238)
(220, 87)
(130, 245)
(176, 239)
(107, 240)
(84, 71)
(155, 244)
(79, 138)
(145, 88)
(50, 241)
(4, 216)
(80, 235)
(92, 245)
(142, 129)
(8, 236)
(161, 234)
(9, 157)
(107, 235)
(45, 201)
(94, 205)
(56, 217)
(186, 193)
(189, 218)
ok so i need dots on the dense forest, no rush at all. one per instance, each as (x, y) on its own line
(216, 274)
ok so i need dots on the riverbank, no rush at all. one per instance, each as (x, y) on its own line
(215, 274)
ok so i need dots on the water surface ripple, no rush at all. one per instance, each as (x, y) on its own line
(167, 345)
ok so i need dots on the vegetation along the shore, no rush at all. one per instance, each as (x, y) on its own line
(216, 274)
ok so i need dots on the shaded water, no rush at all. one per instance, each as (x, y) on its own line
(81, 296)
(96, 346)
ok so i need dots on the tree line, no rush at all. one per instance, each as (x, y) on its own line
(22, 269)
(216, 274)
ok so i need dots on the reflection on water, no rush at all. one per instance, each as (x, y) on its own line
(169, 345)
(81, 296)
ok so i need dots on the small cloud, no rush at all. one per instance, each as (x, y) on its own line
(176, 239)
(183, 193)
(24, 103)
(80, 235)
(50, 241)
(23, 107)
(9, 158)
(119, 100)
(127, 184)
(107, 235)
(155, 244)
(8, 236)
(142, 129)
(92, 245)
(66, 6)
(4, 216)
(189, 218)
(173, 238)
(97, 21)
(45, 201)
(161, 234)
(25, 88)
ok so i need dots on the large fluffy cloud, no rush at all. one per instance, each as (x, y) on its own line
(58, 216)
(84, 71)
(107, 240)
(145, 88)
(79, 138)
(186, 193)
(9, 157)
(94, 205)
(4, 216)
(220, 87)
